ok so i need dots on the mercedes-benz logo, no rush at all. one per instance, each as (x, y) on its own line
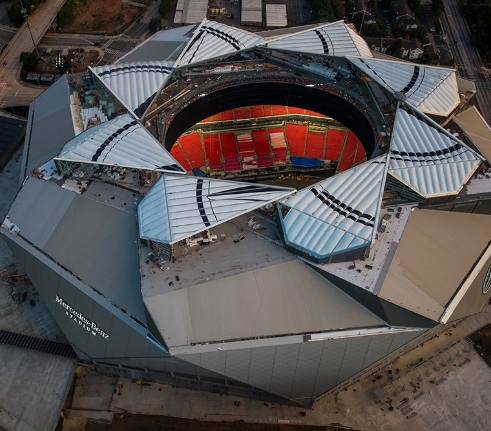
(486, 285)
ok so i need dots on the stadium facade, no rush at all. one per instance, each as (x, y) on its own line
(247, 288)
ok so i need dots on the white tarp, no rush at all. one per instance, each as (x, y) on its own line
(135, 84)
(334, 39)
(122, 141)
(338, 214)
(427, 158)
(180, 206)
(432, 90)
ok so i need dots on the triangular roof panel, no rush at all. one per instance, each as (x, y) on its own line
(338, 214)
(427, 158)
(432, 90)
(212, 39)
(335, 39)
(122, 141)
(178, 207)
(135, 84)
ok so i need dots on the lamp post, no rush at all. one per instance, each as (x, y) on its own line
(24, 13)
(363, 19)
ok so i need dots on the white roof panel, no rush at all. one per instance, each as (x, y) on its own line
(178, 207)
(329, 39)
(427, 158)
(212, 39)
(432, 90)
(338, 214)
(135, 84)
(122, 141)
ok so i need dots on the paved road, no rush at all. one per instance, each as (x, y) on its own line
(12, 91)
(466, 56)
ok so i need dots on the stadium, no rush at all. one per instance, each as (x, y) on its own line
(271, 215)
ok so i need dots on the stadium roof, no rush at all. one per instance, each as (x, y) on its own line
(122, 141)
(50, 126)
(334, 39)
(298, 301)
(339, 214)
(433, 258)
(159, 47)
(432, 90)
(476, 129)
(212, 39)
(67, 226)
(178, 207)
(427, 158)
(136, 84)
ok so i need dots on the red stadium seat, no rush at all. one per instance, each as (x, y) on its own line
(335, 140)
(315, 146)
(179, 155)
(193, 149)
(353, 152)
(296, 135)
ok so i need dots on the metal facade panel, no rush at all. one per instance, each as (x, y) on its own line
(261, 367)
(19, 253)
(178, 366)
(403, 338)
(378, 348)
(137, 345)
(330, 365)
(71, 303)
(122, 141)
(96, 241)
(180, 206)
(285, 364)
(338, 214)
(45, 201)
(52, 124)
(354, 357)
(98, 347)
(237, 365)
(214, 361)
(308, 363)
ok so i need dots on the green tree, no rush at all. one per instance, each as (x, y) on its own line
(166, 7)
(416, 6)
(350, 7)
(154, 25)
(396, 48)
(327, 10)
(393, 10)
(398, 28)
(373, 6)
(15, 14)
(437, 8)
(28, 60)
(66, 15)
(422, 33)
